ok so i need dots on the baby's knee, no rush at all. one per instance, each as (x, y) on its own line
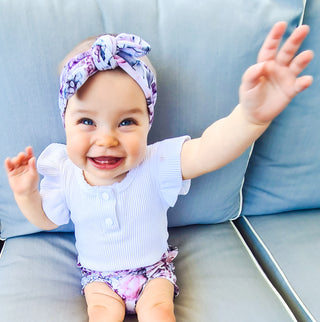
(103, 304)
(97, 313)
(158, 312)
(105, 313)
(165, 311)
(104, 307)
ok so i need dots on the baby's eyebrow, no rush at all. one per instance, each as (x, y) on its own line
(82, 111)
(135, 110)
(125, 111)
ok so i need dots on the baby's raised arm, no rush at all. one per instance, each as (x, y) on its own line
(266, 89)
(23, 179)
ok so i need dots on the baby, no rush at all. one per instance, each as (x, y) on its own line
(116, 188)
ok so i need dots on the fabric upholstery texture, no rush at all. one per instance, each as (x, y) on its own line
(200, 53)
(284, 169)
(292, 240)
(51, 287)
(199, 68)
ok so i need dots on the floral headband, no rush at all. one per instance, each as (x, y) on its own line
(109, 52)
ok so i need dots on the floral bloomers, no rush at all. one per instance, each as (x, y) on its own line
(129, 284)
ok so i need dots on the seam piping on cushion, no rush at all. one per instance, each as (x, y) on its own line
(303, 12)
(262, 272)
(2, 245)
(273, 270)
(242, 184)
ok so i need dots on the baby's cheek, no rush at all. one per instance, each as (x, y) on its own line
(138, 152)
(137, 144)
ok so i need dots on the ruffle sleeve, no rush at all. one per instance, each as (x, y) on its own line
(169, 168)
(51, 165)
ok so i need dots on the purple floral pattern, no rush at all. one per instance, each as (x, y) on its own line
(110, 52)
(129, 284)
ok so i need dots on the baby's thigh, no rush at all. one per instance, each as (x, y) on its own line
(103, 303)
(156, 301)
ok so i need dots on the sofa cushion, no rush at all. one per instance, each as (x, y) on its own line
(200, 53)
(34, 37)
(289, 244)
(213, 269)
(284, 169)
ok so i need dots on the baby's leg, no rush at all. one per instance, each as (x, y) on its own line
(104, 305)
(156, 302)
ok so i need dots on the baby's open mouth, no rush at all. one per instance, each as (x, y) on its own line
(104, 160)
(108, 162)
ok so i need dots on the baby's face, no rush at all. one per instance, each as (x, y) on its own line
(107, 125)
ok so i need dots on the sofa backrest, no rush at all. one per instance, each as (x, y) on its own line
(284, 170)
(200, 52)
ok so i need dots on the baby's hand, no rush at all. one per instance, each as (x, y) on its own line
(269, 86)
(22, 173)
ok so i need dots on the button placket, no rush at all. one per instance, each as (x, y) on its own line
(109, 222)
(110, 216)
(105, 195)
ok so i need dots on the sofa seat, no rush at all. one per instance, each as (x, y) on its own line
(287, 247)
(218, 277)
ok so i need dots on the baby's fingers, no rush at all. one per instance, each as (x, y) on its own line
(302, 83)
(9, 166)
(33, 166)
(292, 45)
(301, 61)
(252, 76)
(21, 160)
(271, 44)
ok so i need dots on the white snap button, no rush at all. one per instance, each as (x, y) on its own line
(105, 196)
(109, 222)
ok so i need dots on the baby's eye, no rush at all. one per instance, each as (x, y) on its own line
(86, 121)
(127, 122)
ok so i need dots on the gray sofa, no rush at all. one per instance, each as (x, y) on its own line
(248, 234)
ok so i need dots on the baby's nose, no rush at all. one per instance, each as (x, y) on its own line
(107, 140)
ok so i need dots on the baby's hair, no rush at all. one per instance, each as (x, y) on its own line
(82, 47)
(86, 44)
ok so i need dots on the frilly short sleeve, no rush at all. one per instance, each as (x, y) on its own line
(169, 168)
(50, 164)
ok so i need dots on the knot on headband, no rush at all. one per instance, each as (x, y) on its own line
(109, 52)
